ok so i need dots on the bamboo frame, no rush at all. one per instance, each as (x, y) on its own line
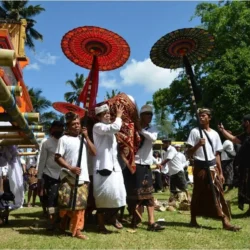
(7, 101)
(35, 128)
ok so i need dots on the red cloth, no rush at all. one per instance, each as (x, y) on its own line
(89, 91)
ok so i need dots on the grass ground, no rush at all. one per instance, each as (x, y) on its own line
(27, 231)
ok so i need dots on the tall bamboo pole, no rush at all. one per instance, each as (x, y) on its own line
(8, 102)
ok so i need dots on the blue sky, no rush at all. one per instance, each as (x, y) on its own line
(141, 24)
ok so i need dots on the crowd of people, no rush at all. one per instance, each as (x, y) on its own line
(79, 170)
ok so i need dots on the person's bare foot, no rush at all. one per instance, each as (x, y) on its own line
(81, 236)
(233, 228)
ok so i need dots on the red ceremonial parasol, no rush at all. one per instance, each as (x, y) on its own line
(65, 107)
(194, 43)
(180, 48)
(96, 49)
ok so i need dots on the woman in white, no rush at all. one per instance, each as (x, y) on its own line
(109, 189)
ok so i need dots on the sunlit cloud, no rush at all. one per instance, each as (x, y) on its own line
(142, 73)
(46, 58)
(108, 81)
(32, 66)
(148, 75)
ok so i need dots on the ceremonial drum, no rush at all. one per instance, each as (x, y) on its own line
(128, 138)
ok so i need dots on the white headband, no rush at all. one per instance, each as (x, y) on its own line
(101, 109)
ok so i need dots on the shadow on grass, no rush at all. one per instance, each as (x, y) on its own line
(239, 216)
(169, 224)
(37, 214)
(43, 232)
(18, 223)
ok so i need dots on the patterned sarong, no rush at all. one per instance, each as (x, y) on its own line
(66, 193)
(202, 203)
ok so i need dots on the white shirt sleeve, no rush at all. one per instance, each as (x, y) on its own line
(218, 144)
(101, 128)
(171, 153)
(192, 138)
(154, 160)
(42, 161)
(150, 135)
(60, 150)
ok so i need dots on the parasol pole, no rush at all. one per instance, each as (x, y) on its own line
(192, 85)
(83, 124)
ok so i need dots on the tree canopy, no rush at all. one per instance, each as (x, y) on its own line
(17, 10)
(77, 87)
(113, 93)
(41, 105)
(223, 78)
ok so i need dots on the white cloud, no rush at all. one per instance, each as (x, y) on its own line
(33, 66)
(148, 75)
(46, 58)
(143, 73)
(107, 80)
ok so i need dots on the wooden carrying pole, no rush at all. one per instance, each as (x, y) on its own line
(7, 57)
(26, 146)
(27, 153)
(29, 117)
(192, 85)
(15, 90)
(9, 142)
(7, 101)
(17, 129)
(17, 135)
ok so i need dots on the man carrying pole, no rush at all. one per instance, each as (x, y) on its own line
(207, 200)
(66, 156)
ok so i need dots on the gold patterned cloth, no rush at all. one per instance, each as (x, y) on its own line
(66, 193)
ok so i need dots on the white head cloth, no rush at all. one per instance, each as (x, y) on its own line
(101, 109)
(146, 108)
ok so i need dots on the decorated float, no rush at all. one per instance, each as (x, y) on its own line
(17, 118)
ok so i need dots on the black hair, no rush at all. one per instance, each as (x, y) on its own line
(246, 117)
(57, 124)
(70, 116)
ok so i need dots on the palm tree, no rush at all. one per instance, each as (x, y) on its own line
(47, 117)
(17, 10)
(77, 86)
(113, 93)
(40, 104)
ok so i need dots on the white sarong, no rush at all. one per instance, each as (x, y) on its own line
(109, 191)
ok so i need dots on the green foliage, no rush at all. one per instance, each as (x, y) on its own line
(223, 78)
(17, 10)
(39, 102)
(47, 118)
(77, 87)
(113, 93)
(40, 105)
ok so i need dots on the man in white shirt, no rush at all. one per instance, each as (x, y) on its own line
(49, 171)
(109, 189)
(67, 155)
(204, 203)
(176, 162)
(139, 185)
